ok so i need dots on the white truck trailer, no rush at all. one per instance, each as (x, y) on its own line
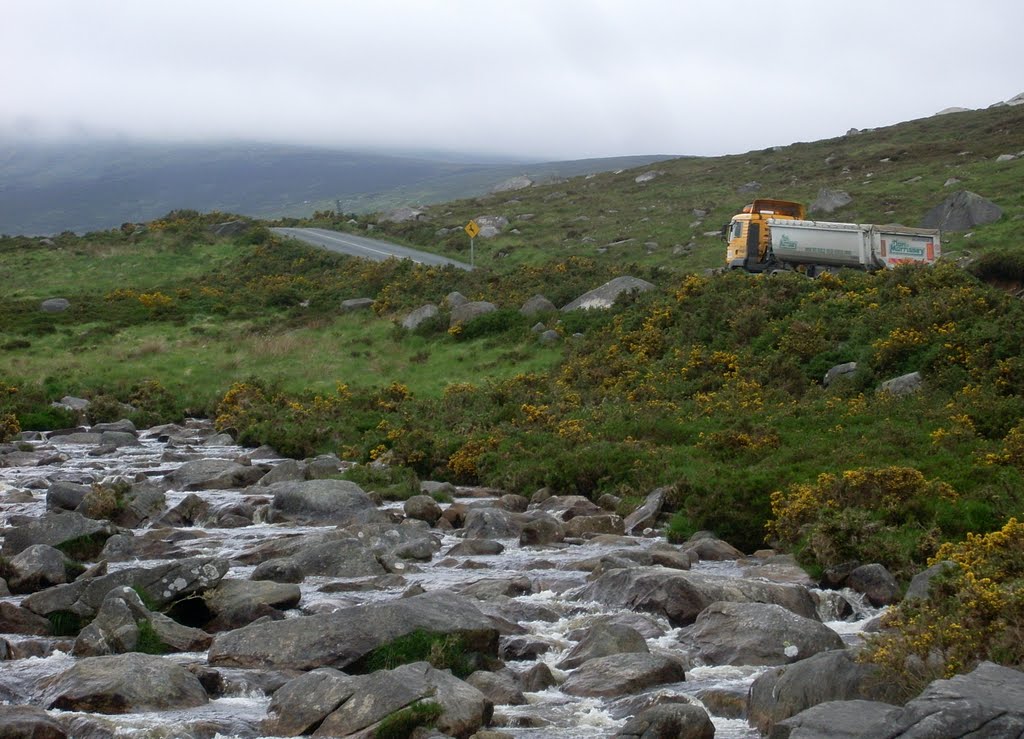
(821, 245)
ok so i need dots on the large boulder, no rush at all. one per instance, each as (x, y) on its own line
(236, 603)
(961, 211)
(301, 704)
(35, 568)
(680, 596)
(28, 722)
(606, 295)
(57, 529)
(342, 638)
(536, 305)
(670, 721)
(837, 720)
(17, 620)
(602, 640)
(124, 683)
(876, 583)
(492, 523)
(332, 558)
(759, 634)
(64, 495)
(491, 226)
(622, 674)
(119, 626)
(162, 585)
(213, 474)
(834, 675)
(987, 702)
(463, 708)
(469, 311)
(321, 502)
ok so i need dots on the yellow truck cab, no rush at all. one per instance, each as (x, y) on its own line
(748, 236)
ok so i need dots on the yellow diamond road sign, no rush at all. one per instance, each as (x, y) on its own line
(472, 229)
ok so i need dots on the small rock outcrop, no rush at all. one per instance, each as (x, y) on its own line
(55, 305)
(829, 201)
(424, 313)
(605, 296)
(962, 211)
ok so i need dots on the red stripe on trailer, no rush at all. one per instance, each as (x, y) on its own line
(930, 246)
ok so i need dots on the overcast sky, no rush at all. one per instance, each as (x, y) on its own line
(554, 79)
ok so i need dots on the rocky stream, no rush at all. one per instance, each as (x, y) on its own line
(168, 583)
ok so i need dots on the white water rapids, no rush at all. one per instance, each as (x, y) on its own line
(549, 713)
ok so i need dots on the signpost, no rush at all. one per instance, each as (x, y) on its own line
(472, 230)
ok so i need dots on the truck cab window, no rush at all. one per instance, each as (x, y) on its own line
(737, 229)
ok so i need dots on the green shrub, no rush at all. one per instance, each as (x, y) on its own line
(442, 651)
(401, 724)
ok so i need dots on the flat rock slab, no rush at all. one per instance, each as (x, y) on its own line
(341, 638)
(124, 683)
(680, 596)
(622, 674)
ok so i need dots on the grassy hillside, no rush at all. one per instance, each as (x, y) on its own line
(708, 384)
(894, 174)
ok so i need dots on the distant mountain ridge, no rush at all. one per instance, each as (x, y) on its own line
(85, 186)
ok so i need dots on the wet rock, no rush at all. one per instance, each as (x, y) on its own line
(513, 503)
(290, 470)
(127, 683)
(300, 705)
(582, 527)
(28, 722)
(759, 634)
(602, 640)
(541, 530)
(494, 587)
(118, 626)
(674, 721)
(323, 467)
(192, 510)
(339, 502)
(711, 548)
(213, 474)
(622, 674)
(63, 495)
(500, 688)
(332, 558)
(491, 523)
(566, 507)
(680, 596)
(59, 528)
(989, 702)
(17, 620)
(341, 638)
(523, 648)
(605, 296)
(162, 584)
(422, 508)
(237, 603)
(35, 568)
(464, 709)
(836, 720)
(827, 676)
(538, 677)
(647, 514)
(477, 547)
(875, 582)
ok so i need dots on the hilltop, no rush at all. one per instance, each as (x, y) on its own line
(93, 185)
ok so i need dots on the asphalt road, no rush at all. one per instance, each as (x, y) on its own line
(360, 246)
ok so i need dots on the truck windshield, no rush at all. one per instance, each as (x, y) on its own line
(737, 230)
